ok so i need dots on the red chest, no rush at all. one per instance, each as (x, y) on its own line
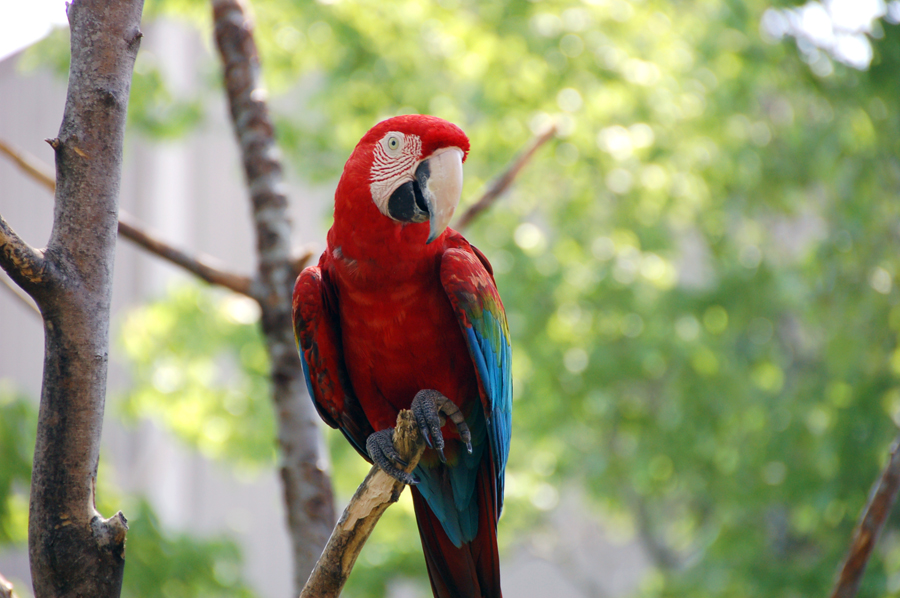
(401, 339)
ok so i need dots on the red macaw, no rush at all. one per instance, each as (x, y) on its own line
(403, 313)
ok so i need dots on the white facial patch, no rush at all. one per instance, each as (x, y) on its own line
(395, 161)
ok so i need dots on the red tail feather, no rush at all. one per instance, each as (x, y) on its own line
(473, 570)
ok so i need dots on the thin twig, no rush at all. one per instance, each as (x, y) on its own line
(881, 501)
(39, 171)
(23, 296)
(199, 265)
(377, 492)
(300, 259)
(499, 185)
(6, 588)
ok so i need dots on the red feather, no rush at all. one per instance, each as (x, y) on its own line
(377, 319)
(473, 569)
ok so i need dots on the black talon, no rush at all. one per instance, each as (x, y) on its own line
(380, 447)
(427, 407)
(426, 436)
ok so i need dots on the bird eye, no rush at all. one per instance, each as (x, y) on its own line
(393, 143)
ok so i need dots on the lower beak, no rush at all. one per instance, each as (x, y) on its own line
(440, 179)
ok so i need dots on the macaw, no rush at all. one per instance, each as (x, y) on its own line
(403, 313)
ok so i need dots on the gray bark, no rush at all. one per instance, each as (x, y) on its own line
(74, 551)
(307, 488)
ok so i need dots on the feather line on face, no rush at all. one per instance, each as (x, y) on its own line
(395, 158)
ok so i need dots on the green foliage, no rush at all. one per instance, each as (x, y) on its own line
(152, 109)
(200, 369)
(51, 53)
(176, 565)
(700, 274)
(18, 423)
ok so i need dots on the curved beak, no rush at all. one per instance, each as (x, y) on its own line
(440, 179)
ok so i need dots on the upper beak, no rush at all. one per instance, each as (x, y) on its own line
(440, 178)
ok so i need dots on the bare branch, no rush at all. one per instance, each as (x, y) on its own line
(199, 265)
(663, 556)
(377, 492)
(300, 260)
(307, 488)
(875, 513)
(6, 588)
(21, 261)
(22, 295)
(36, 169)
(499, 185)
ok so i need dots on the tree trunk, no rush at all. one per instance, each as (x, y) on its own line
(307, 488)
(74, 551)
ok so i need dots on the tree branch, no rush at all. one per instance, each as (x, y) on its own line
(663, 556)
(875, 513)
(499, 185)
(377, 492)
(307, 488)
(31, 165)
(198, 265)
(21, 261)
(22, 295)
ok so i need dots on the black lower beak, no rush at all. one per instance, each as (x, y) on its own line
(432, 195)
(407, 204)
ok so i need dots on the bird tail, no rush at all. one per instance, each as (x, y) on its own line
(473, 569)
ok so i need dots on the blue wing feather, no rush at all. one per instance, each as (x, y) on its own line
(450, 490)
(469, 283)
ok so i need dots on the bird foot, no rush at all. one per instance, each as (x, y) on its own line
(427, 407)
(380, 446)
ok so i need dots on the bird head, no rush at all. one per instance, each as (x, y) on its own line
(411, 168)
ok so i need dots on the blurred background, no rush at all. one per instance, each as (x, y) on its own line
(698, 271)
